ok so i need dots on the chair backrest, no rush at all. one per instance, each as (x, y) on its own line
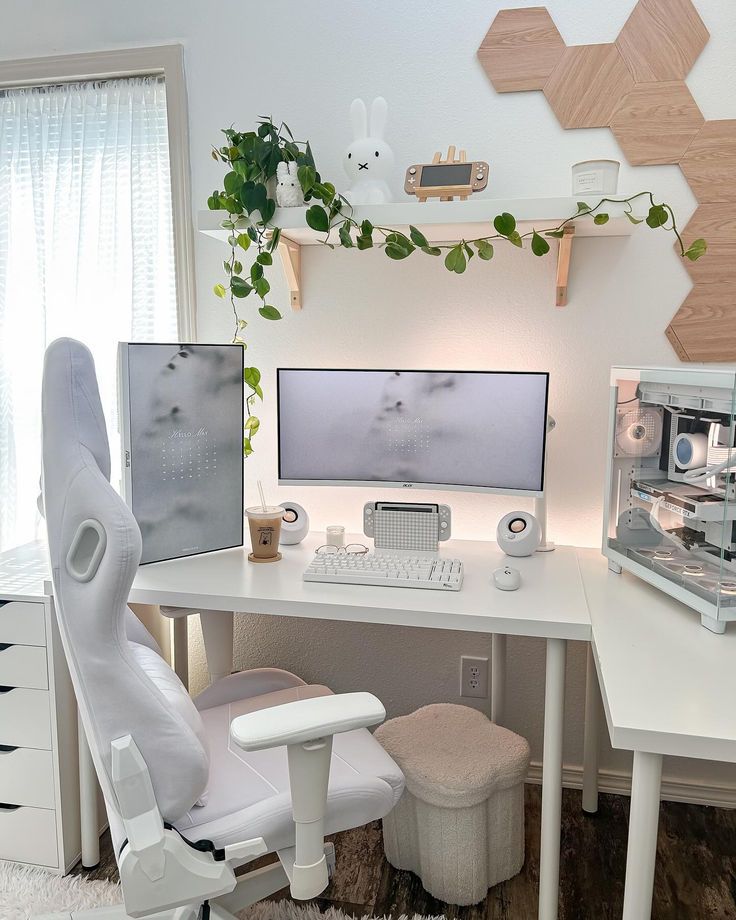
(122, 686)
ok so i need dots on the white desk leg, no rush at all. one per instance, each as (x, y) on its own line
(89, 819)
(498, 678)
(591, 742)
(554, 720)
(217, 632)
(181, 649)
(641, 854)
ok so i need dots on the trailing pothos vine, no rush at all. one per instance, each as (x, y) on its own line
(252, 160)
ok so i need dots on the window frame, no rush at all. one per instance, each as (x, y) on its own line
(164, 60)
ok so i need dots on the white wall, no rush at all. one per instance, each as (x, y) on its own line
(304, 62)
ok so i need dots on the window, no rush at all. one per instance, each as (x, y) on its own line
(87, 249)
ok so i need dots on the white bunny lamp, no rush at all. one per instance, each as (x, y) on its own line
(288, 189)
(368, 160)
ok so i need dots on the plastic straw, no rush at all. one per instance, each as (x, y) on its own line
(263, 500)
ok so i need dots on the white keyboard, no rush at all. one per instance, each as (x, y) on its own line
(393, 571)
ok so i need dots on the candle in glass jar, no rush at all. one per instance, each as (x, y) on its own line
(335, 535)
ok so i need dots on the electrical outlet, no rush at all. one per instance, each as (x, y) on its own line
(474, 677)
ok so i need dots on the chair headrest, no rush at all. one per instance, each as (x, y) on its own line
(71, 400)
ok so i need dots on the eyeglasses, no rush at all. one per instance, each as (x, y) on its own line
(352, 549)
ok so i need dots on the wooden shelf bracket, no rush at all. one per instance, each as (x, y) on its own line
(291, 259)
(563, 265)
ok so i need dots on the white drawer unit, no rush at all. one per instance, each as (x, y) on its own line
(22, 623)
(28, 835)
(23, 666)
(39, 757)
(25, 719)
(27, 776)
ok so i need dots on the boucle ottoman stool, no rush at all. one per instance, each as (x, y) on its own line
(459, 824)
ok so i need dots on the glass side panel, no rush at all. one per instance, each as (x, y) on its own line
(672, 489)
(722, 462)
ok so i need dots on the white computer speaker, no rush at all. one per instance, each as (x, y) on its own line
(294, 523)
(519, 533)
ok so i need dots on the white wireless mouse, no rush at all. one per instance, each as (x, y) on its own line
(507, 578)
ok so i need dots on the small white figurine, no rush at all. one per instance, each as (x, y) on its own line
(368, 160)
(288, 189)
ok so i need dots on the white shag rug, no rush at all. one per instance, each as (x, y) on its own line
(26, 892)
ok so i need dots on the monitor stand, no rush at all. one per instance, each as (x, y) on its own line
(540, 504)
(540, 513)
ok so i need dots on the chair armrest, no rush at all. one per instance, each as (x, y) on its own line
(306, 728)
(306, 720)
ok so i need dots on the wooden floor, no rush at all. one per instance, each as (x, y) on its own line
(695, 879)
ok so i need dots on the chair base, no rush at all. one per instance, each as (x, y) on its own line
(251, 887)
(117, 912)
(112, 912)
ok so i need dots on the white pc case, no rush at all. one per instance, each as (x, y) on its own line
(670, 506)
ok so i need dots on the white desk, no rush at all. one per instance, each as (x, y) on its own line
(550, 604)
(668, 687)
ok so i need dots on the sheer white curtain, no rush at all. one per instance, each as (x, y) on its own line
(86, 250)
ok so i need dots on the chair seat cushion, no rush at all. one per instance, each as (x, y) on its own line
(249, 793)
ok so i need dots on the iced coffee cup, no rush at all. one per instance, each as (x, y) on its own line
(265, 531)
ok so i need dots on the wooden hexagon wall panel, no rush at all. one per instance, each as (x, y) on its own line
(661, 40)
(710, 162)
(716, 223)
(521, 49)
(656, 123)
(705, 323)
(636, 87)
(587, 86)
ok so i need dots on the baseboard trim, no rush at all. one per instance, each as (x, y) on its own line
(619, 783)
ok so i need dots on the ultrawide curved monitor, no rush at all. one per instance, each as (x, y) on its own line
(468, 430)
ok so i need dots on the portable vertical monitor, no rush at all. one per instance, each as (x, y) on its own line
(181, 421)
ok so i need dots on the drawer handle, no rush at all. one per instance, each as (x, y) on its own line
(7, 749)
(4, 806)
(6, 689)
(5, 645)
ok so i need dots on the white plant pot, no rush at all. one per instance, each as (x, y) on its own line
(595, 177)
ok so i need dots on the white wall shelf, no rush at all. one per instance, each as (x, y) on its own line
(440, 222)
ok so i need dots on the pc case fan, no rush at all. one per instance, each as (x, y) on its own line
(639, 432)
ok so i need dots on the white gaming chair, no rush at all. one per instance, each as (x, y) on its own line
(192, 789)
